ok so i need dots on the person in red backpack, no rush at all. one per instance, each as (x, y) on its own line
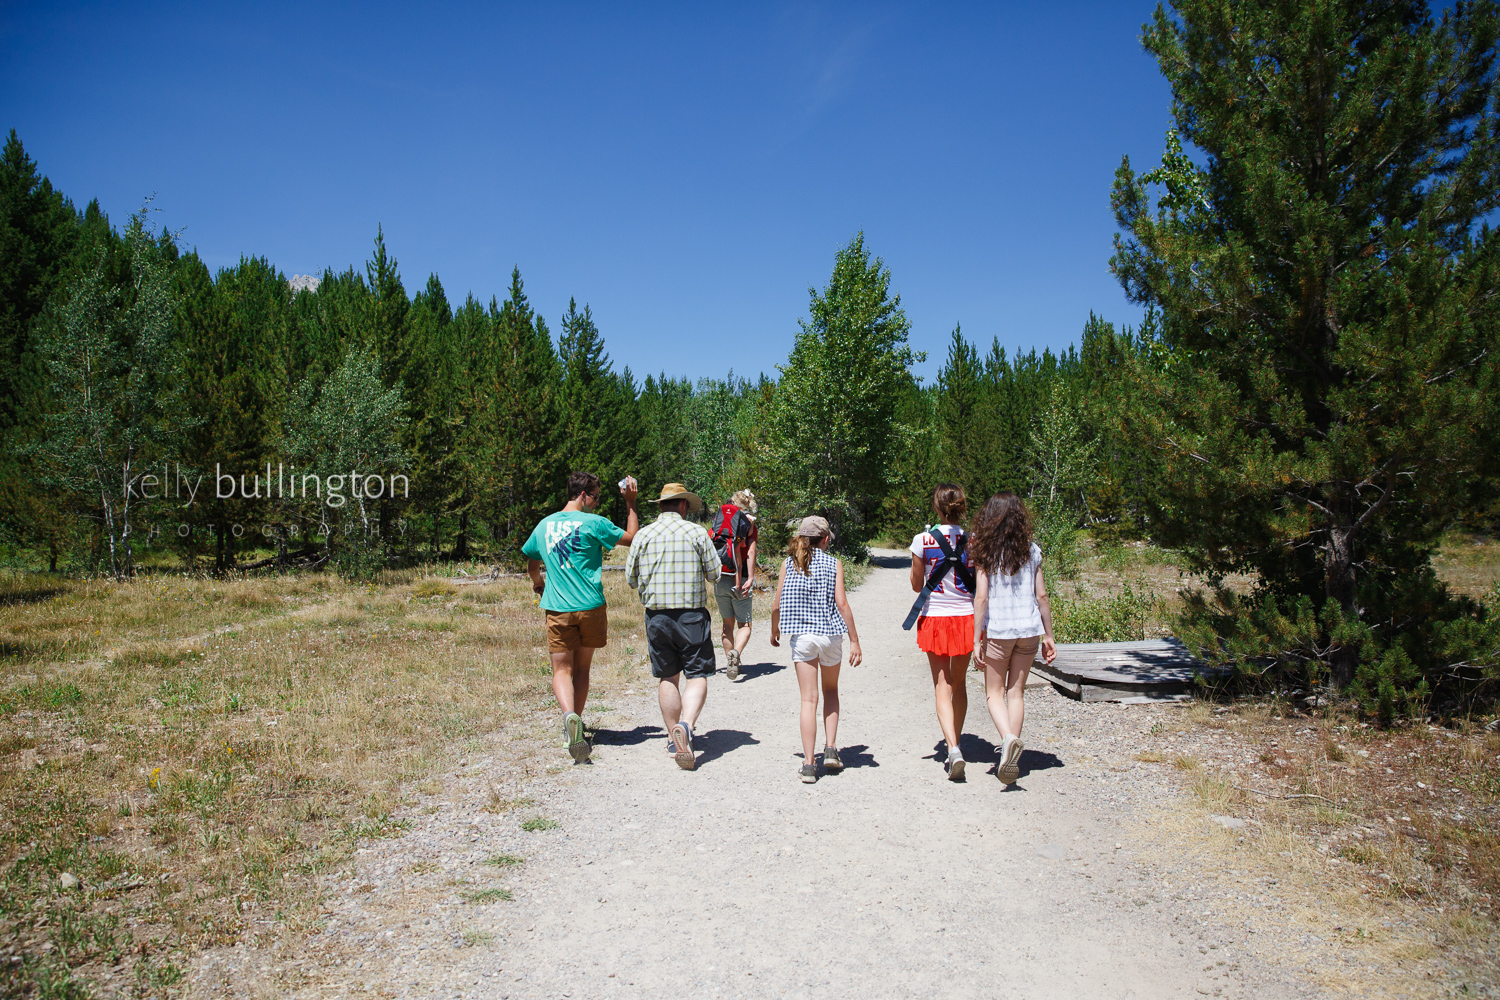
(735, 535)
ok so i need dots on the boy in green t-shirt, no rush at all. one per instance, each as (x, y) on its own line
(571, 545)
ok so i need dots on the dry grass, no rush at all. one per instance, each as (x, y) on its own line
(1469, 564)
(1383, 843)
(196, 753)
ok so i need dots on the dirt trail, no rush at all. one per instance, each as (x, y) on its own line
(888, 880)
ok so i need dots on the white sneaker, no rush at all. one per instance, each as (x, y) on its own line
(1010, 756)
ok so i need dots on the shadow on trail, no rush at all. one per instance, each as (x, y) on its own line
(857, 756)
(750, 671)
(902, 561)
(1038, 760)
(976, 750)
(715, 743)
(626, 737)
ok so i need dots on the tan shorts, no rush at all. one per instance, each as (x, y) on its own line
(568, 630)
(999, 651)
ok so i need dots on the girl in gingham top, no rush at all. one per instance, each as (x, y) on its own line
(1011, 616)
(810, 606)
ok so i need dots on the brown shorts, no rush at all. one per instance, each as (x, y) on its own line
(568, 630)
(999, 651)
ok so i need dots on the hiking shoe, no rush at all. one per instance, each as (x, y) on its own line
(809, 774)
(733, 670)
(682, 744)
(1010, 756)
(955, 768)
(831, 760)
(578, 746)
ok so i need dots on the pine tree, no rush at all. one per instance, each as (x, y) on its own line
(232, 334)
(526, 477)
(469, 412)
(431, 430)
(39, 234)
(598, 431)
(1327, 290)
(387, 308)
(960, 426)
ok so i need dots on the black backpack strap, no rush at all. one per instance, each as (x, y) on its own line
(951, 560)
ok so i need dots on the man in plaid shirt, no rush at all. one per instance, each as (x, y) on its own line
(669, 562)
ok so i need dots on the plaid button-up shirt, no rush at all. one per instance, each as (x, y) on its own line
(668, 562)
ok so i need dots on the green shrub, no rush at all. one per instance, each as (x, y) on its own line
(1132, 616)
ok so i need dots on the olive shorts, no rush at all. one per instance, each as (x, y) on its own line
(731, 605)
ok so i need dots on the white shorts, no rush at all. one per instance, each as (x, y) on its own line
(827, 650)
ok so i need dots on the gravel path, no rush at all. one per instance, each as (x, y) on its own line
(739, 881)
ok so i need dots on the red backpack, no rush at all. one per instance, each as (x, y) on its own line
(731, 535)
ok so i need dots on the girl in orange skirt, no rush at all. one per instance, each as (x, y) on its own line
(945, 630)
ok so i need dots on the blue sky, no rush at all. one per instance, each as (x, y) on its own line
(686, 170)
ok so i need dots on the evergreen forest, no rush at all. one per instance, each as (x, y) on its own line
(1308, 402)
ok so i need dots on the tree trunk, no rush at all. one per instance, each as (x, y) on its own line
(1339, 586)
(461, 543)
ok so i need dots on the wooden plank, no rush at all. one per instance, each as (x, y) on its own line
(1153, 669)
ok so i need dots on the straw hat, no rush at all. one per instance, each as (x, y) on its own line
(677, 491)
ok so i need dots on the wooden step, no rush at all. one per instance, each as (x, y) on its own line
(1149, 670)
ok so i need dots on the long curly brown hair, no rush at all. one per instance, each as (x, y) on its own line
(1000, 535)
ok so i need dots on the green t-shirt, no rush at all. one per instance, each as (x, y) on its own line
(571, 545)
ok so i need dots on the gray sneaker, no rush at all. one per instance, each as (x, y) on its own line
(682, 745)
(578, 745)
(733, 670)
(831, 761)
(955, 768)
(809, 774)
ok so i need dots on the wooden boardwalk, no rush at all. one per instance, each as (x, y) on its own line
(1151, 670)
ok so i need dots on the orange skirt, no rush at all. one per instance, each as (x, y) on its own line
(946, 635)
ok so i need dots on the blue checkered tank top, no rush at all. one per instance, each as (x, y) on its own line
(807, 606)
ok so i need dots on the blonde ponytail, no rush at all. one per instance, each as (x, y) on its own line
(799, 549)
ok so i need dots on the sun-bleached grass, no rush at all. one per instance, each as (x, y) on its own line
(197, 752)
(1382, 843)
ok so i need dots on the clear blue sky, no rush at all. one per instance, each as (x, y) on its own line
(687, 170)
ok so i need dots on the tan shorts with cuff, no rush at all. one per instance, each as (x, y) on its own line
(569, 630)
(1000, 651)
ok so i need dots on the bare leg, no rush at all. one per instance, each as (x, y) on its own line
(670, 699)
(726, 638)
(831, 705)
(570, 678)
(949, 693)
(741, 636)
(994, 696)
(807, 685)
(1015, 688)
(694, 694)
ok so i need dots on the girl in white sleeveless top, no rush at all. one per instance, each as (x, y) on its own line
(1011, 616)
